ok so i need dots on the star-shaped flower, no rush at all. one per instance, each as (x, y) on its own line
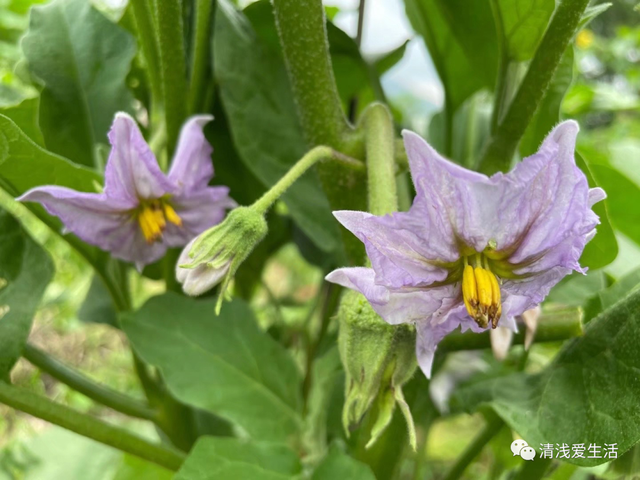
(142, 211)
(473, 251)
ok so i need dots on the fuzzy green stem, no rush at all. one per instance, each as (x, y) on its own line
(173, 69)
(503, 144)
(142, 13)
(490, 430)
(555, 327)
(380, 150)
(101, 394)
(310, 159)
(200, 60)
(90, 427)
(303, 36)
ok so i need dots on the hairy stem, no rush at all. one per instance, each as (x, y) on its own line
(503, 144)
(90, 427)
(491, 429)
(307, 161)
(380, 151)
(200, 61)
(101, 394)
(302, 30)
(173, 69)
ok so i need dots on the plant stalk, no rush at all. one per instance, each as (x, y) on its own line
(173, 68)
(503, 144)
(90, 427)
(101, 394)
(200, 61)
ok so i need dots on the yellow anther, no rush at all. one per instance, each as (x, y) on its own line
(481, 295)
(470, 291)
(171, 215)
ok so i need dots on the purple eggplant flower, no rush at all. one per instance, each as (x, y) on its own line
(474, 250)
(142, 211)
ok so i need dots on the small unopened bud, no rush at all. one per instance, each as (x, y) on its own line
(216, 254)
(378, 359)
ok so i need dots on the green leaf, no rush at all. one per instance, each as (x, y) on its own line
(620, 289)
(25, 272)
(588, 394)
(592, 12)
(338, 465)
(576, 289)
(215, 458)
(603, 249)
(387, 61)
(522, 24)
(548, 113)
(25, 116)
(224, 364)
(98, 305)
(257, 98)
(83, 59)
(24, 165)
(462, 48)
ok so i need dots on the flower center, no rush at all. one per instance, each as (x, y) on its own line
(153, 216)
(481, 291)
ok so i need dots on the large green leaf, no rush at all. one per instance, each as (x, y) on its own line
(463, 49)
(25, 272)
(83, 59)
(257, 98)
(521, 25)
(224, 364)
(25, 115)
(215, 458)
(24, 165)
(588, 394)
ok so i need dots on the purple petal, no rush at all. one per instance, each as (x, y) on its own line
(198, 210)
(401, 305)
(132, 171)
(192, 167)
(398, 256)
(98, 220)
(454, 203)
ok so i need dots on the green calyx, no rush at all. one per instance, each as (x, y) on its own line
(228, 244)
(379, 359)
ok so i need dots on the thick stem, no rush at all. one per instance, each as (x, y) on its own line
(90, 427)
(173, 69)
(503, 144)
(142, 13)
(200, 61)
(302, 30)
(380, 151)
(551, 328)
(491, 429)
(310, 159)
(101, 394)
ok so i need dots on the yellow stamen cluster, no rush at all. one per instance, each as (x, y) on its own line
(481, 294)
(153, 217)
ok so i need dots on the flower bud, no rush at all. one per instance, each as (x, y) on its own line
(216, 254)
(378, 359)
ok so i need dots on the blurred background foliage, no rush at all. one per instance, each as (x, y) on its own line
(598, 85)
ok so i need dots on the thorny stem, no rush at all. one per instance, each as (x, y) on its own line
(502, 145)
(90, 427)
(104, 395)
